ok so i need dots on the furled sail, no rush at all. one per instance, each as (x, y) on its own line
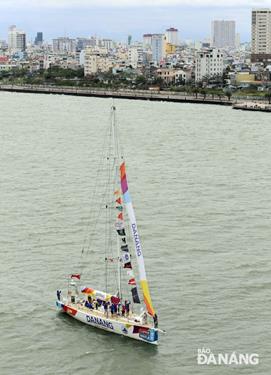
(136, 239)
(126, 258)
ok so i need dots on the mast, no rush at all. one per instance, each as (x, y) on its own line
(116, 161)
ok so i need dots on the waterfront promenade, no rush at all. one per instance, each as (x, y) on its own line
(120, 94)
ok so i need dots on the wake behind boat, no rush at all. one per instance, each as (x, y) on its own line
(128, 310)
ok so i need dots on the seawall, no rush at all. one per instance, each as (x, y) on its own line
(119, 94)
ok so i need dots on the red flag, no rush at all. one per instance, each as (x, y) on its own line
(76, 276)
(118, 200)
(120, 216)
(132, 282)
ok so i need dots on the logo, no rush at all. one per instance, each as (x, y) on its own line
(150, 335)
(99, 321)
(124, 330)
(206, 357)
(137, 241)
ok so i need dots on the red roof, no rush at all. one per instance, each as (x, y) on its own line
(3, 59)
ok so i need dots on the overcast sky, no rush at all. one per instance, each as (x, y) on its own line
(118, 18)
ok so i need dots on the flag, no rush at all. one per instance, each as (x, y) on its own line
(127, 265)
(87, 290)
(119, 226)
(76, 276)
(132, 281)
(126, 257)
(118, 200)
(130, 273)
(120, 208)
(120, 216)
(124, 248)
(121, 232)
(135, 295)
(117, 192)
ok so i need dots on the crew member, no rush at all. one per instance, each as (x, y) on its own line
(127, 308)
(58, 293)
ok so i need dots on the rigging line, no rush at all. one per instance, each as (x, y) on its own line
(92, 238)
(119, 147)
(92, 216)
(101, 160)
(92, 235)
(112, 150)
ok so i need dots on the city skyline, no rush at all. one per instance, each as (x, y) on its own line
(121, 18)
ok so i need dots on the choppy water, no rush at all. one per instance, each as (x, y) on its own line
(201, 186)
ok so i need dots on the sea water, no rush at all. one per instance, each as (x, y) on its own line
(199, 176)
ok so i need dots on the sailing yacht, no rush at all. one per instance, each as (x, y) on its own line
(125, 306)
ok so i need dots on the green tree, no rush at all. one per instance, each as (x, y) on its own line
(228, 94)
(268, 96)
(195, 91)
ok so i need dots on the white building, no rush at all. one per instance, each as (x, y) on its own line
(261, 35)
(223, 34)
(209, 63)
(135, 56)
(16, 39)
(182, 75)
(64, 45)
(96, 60)
(172, 36)
(158, 44)
(170, 75)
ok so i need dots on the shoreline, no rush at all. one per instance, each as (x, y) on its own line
(118, 94)
(158, 96)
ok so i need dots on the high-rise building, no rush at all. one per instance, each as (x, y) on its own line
(172, 36)
(223, 34)
(158, 43)
(3, 45)
(209, 63)
(82, 43)
(261, 35)
(39, 39)
(64, 45)
(147, 41)
(16, 39)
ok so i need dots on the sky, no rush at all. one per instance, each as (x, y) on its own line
(119, 18)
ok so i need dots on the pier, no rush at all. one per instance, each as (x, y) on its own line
(251, 106)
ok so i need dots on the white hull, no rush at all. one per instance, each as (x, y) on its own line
(121, 326)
